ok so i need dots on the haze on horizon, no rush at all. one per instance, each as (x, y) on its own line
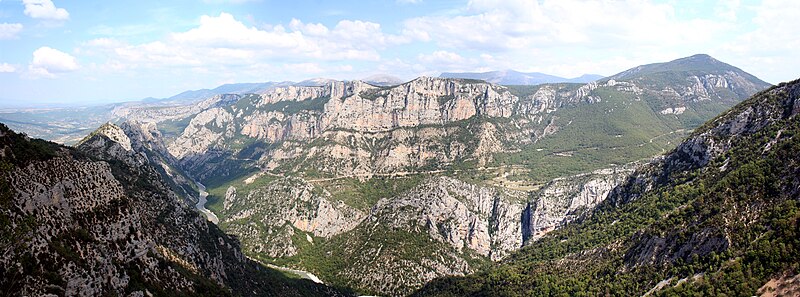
(75, 52)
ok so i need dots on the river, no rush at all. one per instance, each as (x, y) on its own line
(201, 204)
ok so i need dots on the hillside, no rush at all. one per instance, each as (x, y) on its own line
(431, 177)
(98, 220)
(718, 215)
(383, 188)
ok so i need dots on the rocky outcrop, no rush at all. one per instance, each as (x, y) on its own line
(266, 218)
(464, 216)
(113, 133)
(355, 130)
(423, 101)
(108, 225)
(563, 200)
(204, 130)
(303, 126)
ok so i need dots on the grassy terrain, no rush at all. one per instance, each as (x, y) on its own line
(618, 130)
(363, 195)
(216, 194)
(366, 249)
(171, 129)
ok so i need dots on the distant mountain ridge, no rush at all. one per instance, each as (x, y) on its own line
(235, 88)
(694, 63)
(511, 77)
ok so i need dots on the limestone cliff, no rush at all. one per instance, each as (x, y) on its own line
(266, 218)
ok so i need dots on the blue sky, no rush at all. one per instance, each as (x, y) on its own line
(79, 52)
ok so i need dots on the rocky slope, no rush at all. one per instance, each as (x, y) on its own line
(143, 138)
(355, 128)
(336, 177)
(376, 246)
(718, 215)
(99, 220)
(565, 199)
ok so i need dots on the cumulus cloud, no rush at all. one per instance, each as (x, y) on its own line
(223, 42)
(225, 31)
(48, 62)
(9, 31)
(44, 9)
(7, 68)
(515, 24)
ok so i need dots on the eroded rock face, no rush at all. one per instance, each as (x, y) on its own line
(273, 213)
(356, 130)
(565, 199)
(204, 130)
(343, 127)
(423, 101)
(109, 226)
(296, 117)
(710, 145)
(485, 220)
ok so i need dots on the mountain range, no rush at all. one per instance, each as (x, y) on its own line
(511, 77)
(656, 180)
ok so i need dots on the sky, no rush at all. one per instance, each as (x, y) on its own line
(59, 52)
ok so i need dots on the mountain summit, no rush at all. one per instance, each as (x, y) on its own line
(700, 63)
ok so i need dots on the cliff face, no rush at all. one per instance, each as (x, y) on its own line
(563, 200)
(100, 221)
(439, 226)
(462, 215)
(764, 121)
(353, 127)
(266, 218)
(442, 226)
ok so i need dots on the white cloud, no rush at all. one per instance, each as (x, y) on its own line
(45, 9)
(769, 46)
(441, 57)
(225, 31)
(516, 24)
(7, 68)
(48, 62)
(224, 43)
(9, 31)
